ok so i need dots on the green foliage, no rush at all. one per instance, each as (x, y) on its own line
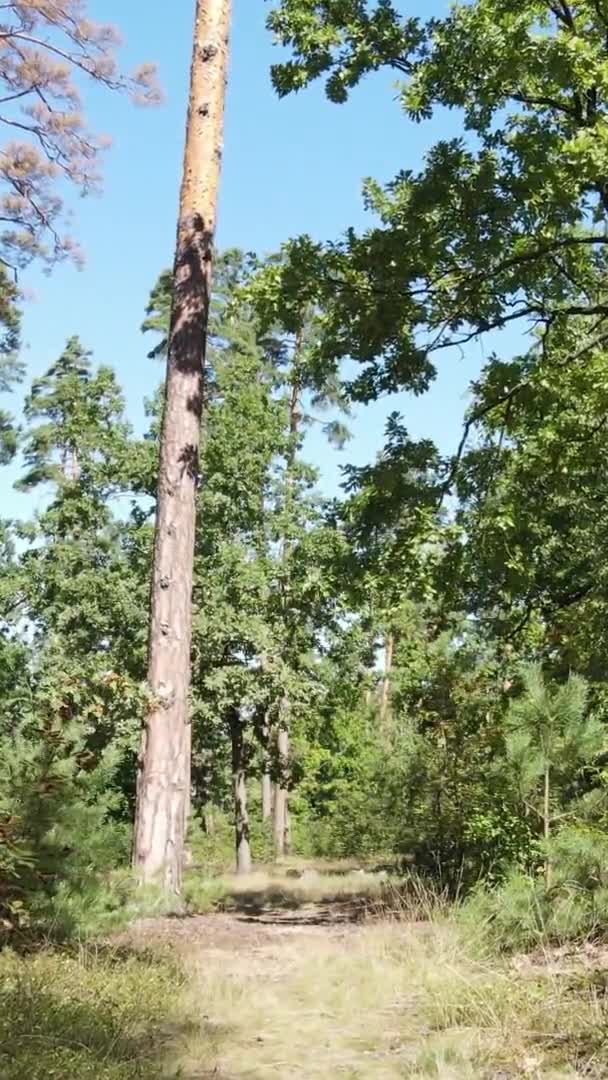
(11, 369)
(492, 230)
(521, 914)
(212, 849)
(501, 225)
(91, 1016)
(551, 728)
(69, 711)
(74, 581)
(342, 40)
(58, 829)
(341, 802)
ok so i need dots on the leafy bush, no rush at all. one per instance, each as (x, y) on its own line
(212, 852)
(203, 894)
(58, 828)
(86, 1017)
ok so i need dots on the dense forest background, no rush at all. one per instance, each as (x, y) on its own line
(415, 669)
(302, 778)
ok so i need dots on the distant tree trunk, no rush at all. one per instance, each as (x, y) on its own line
(281, 794)
(389, 649)
(547, 821)
(209, 821)
(239, 781)
(163, 787)
(266, 794)
(266, 777)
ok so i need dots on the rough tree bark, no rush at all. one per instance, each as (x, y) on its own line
(163, 787)
(239, 781)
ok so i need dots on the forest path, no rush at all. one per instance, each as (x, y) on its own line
(311, 991)
(293, 996)
(321, 980)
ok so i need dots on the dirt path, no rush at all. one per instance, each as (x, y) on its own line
(230, 933)
(309, 993)
(327, 990)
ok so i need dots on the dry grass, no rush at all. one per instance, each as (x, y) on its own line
(388, 1001)
(277, 995)
(347, 890)
(261, 889)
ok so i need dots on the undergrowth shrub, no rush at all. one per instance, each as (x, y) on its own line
(59, 826)
(87, 1016)
(213, 852)
(522, 913)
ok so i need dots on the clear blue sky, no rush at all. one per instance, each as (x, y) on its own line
(290, 166)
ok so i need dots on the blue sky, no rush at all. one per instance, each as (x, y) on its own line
(290, 166)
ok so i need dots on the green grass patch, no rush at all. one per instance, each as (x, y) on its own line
(90, 1015)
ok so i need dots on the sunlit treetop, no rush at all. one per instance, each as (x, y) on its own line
(341, 40)
(504, 223)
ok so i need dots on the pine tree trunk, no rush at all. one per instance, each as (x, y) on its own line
(239, 780)
(281, 795)
(163, 788)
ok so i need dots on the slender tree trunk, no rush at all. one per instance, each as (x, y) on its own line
(281, 792)
(281, 795)
(163, 787)
(266, 794)
(266, 785)
(71, 464)
(389, 649)
(547, 822)
(239, 780)
(266, 777)
(209, 821)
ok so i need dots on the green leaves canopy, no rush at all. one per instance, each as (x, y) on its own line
(503, 224)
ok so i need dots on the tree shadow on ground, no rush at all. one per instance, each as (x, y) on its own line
(273, 904)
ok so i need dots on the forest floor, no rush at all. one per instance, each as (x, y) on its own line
(328, 977)
(317, 977)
